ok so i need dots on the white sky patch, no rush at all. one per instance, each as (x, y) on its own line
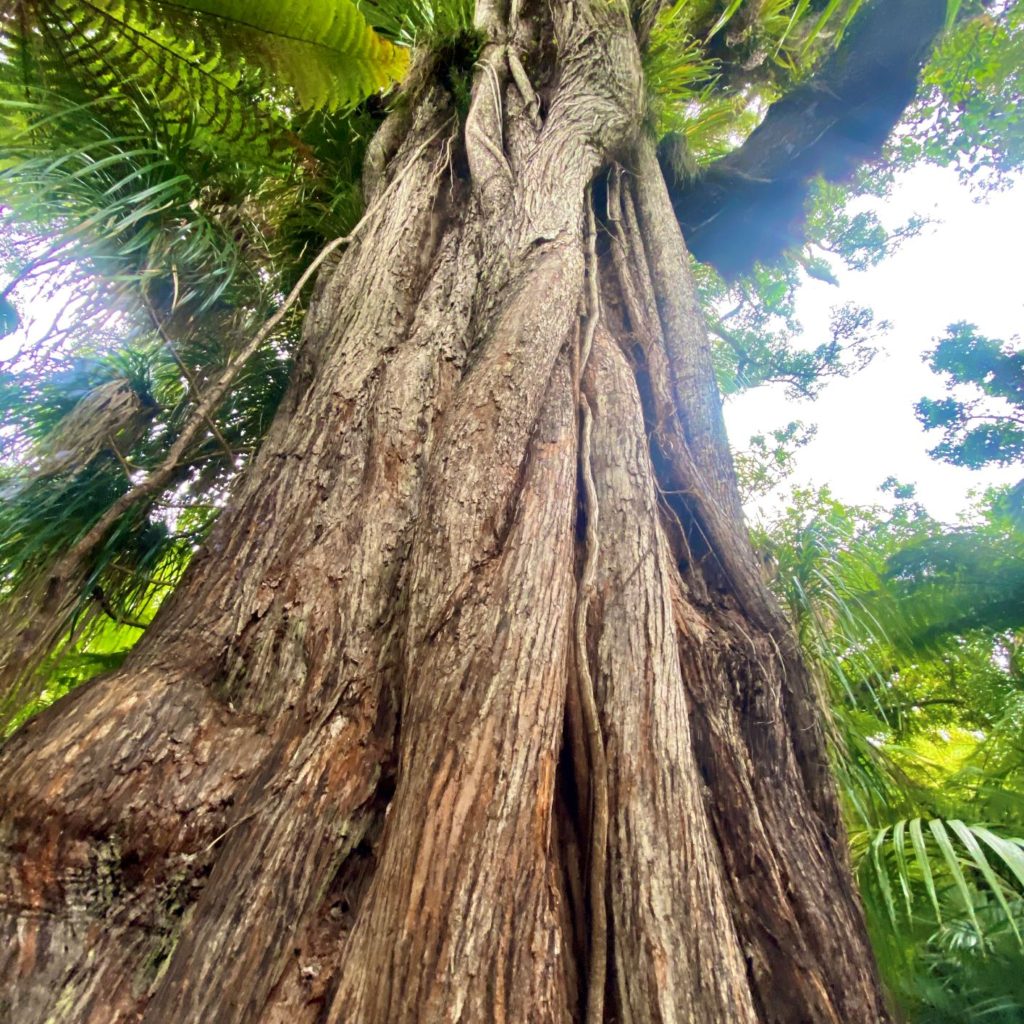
(966, 266)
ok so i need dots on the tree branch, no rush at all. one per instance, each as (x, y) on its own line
(112, 613)
(749, 206)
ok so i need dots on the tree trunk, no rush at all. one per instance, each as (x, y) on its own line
(474, 707)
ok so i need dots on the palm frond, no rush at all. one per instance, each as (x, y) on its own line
(943, 863)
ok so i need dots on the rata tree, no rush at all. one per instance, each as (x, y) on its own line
(472, 703)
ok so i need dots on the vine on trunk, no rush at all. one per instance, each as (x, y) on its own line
(598, 877)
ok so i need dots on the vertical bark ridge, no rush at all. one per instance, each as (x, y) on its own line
(771, 800)
(647, 249)
(314, 790)
(463, 876)
(801, 928)
(676, 953)
(686, 338)
(685, 410)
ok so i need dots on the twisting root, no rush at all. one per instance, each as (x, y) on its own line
(593, 289)
(584, 681)
(595, 745)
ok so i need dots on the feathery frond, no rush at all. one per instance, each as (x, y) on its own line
(211, 61)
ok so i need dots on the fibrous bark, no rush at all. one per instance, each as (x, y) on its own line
(474, 707)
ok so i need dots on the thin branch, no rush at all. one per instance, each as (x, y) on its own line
(126, 469)
(189, 376)
(112, 613)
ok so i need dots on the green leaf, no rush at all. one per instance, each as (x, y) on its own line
(953, 863)
(798, 13)
(822, 21)
(921, 852)
(981, 862)
(211, 61)
(952, 10)
(882, 872)
(727, 14)
(324, 50)
(1010, 852)
(902, 872)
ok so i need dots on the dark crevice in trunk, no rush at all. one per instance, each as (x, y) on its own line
(570, 841)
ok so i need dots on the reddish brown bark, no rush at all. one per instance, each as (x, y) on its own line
(349, 774)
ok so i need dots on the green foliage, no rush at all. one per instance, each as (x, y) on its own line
(72, 466)
(962, 579)
(167, 168)
(989, 427)
(117, 206)
(712, 69)
(756, 336)
(770, 458)
(946, 912)
(205, 59)
(105, 646)
(434, 24)
(680, 78)
(971, 111)
(857, 239)
(916, 858)
(755, 332)
(926, 744)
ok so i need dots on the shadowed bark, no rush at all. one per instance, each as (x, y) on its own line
(474, 707)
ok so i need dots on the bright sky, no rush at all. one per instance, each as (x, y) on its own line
(967, 267)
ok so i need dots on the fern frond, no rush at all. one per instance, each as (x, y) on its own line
(325, 51)
(411, 23)
(223, 63)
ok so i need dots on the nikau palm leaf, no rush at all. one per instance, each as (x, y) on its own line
(948, 864)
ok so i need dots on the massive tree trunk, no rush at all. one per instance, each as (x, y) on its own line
(474, 707)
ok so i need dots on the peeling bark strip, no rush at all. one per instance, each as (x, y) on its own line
(474, 707)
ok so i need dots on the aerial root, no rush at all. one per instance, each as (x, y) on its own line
(598, 951)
